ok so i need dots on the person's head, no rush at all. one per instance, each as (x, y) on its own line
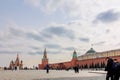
(107, 58)
(115, 60)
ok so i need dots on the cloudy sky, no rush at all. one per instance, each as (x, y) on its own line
(27, 27)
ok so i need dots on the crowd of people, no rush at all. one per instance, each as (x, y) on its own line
(113, 69)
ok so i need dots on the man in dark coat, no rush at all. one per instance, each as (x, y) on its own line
(47, 68)
(116, 67)
(109, 69)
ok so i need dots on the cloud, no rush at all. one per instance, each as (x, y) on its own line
(31, 34)
(73, 8)
(46, 35)
(35, 3)
(16, 31)
(34, 36)
(1, 45)
(84, 39)
(107, 16)
(54, 46)
(100, 43)
(10, 52)
(54, 52)
(11, 33)
(42, 52)
(75, 22)
(35, 53)
(39, 52)
(118, 44)
(45, 5)
(52, 6)
(35, 48)
(108, 31)
(69, 48)
(60, 32)
(28, 40)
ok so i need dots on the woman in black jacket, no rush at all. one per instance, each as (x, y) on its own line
(109, 69)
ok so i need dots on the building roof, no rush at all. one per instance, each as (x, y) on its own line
(90, 51)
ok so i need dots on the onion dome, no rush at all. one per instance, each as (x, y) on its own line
(91, 51)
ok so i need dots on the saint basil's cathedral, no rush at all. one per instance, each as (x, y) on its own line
(17, 64)
(91, 59)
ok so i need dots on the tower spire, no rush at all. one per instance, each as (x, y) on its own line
(17, 60)
(45, 54)
(17, 55)
(45, 59)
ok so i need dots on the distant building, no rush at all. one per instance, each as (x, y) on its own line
(17, 64)
(62, 65)
(44, 61)
(91, 59)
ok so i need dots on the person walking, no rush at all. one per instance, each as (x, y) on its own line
(47, 68)
(116, 68)
(109, 69)
(77, 68)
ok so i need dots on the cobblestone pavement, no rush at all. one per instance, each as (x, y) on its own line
(53, 75)
(76, 78)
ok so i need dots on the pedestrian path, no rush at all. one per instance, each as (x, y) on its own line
(98, 72)
(53, 75)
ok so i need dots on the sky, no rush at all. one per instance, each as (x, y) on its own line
(27, 27)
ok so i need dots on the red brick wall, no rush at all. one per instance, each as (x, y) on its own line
(73, 62)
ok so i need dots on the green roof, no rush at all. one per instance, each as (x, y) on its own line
(74, 54)
(91, 51)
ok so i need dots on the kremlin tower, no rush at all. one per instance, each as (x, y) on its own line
(74, 55)
(62, 65)
(44, 60)
(74, 59)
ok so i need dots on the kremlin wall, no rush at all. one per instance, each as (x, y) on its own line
(91, 59)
